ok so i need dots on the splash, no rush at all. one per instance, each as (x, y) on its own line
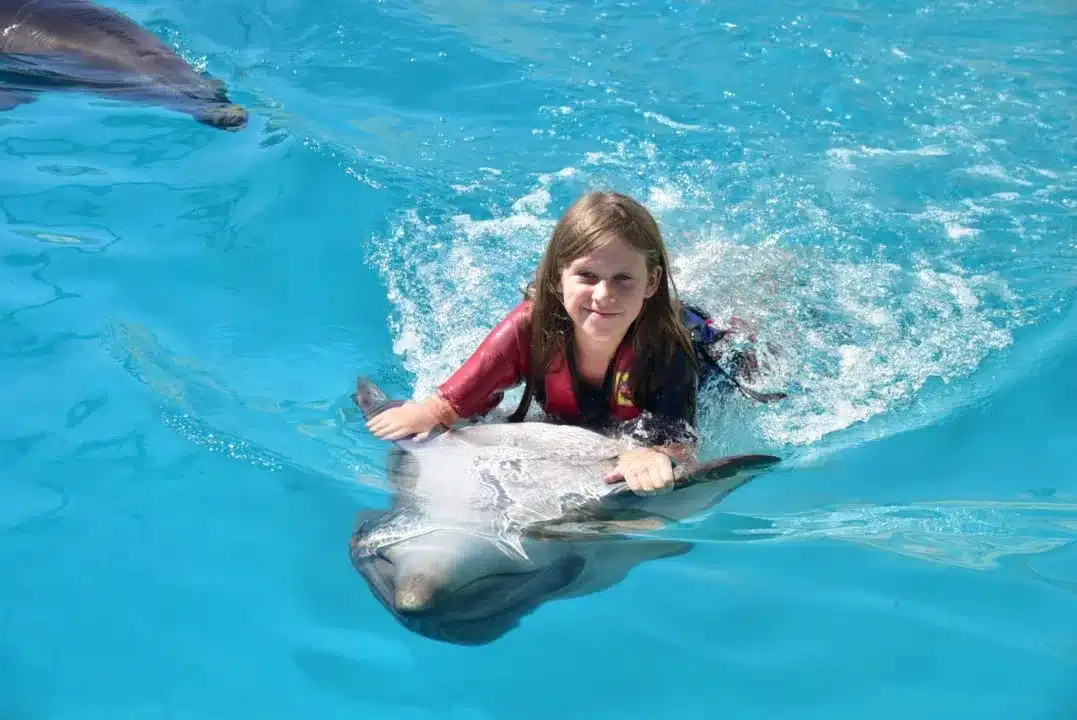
(882, 264)
(853, 339)
(850, 333)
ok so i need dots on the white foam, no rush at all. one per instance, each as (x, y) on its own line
(858, 339)
(660, 118)
(996, 171)
(849, 339)
(954, 231)
(845, 156)
(664, 198)
(452, 282)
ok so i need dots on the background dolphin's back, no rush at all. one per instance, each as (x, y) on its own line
(94, 33)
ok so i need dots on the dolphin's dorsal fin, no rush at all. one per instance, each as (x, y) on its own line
(702, 485)
(724, 467)
(742, 467)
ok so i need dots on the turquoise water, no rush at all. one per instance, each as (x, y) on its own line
(889, 189)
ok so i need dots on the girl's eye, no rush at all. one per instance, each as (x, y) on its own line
(591, 278)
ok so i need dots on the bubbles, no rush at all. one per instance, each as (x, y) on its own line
(232, 447)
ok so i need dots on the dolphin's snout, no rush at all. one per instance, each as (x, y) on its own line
(414, 595)
(225, 117)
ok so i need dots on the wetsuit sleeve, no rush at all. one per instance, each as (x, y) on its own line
(500, 362)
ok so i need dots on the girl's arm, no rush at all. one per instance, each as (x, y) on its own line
(500, 361)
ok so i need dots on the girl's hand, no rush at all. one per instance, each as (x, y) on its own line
(412, 418)
(646, 471)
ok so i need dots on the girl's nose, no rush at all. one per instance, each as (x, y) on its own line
(601, 290)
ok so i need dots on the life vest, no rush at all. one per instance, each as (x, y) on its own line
(560, 395)
(561, 400)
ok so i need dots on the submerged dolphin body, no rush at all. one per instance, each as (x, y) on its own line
(490, 521)
(79, 45)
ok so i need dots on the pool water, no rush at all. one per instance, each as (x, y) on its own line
(887, 189)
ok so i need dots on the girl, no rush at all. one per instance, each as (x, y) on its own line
(597, 340)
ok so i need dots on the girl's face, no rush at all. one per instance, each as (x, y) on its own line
(603, 292)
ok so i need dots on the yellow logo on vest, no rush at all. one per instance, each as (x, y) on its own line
(624, 392)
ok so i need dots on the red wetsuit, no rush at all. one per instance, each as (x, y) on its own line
(503, 360)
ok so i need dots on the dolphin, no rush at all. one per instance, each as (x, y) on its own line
(79, 45)
(489, 521)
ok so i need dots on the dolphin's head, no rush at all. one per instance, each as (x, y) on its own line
(208, 101)
(456, 586)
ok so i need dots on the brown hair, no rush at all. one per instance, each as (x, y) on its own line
(589, 223)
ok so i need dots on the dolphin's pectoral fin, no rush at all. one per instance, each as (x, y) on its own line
(599, 524)
(11, 98)
(643, 550)
(616, 560)
(370, 398)
(735, 470)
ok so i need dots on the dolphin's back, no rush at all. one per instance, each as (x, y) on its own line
(100, 35)
(565, 443)
(504, 475)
